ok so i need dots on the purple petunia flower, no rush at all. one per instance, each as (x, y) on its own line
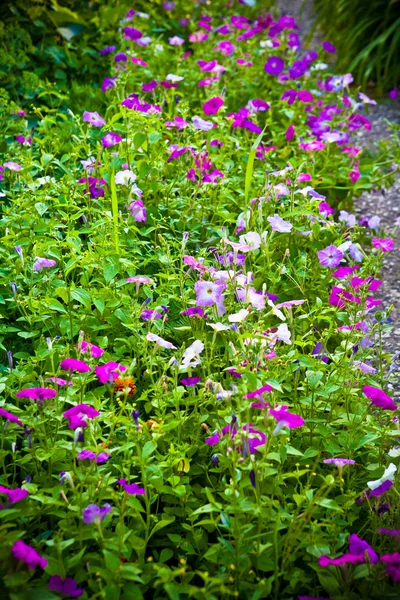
(201, 124)
(330, 256)
(28, 555)
(176, 41)
(110, 139)
(339, 461)
(381, 489)
(190, 381)
(252, 439)
(328, 47)
(195, 312)
(37, 394)
(131, 33)
(107, 50)
(149, 87)
(138, 211)
(67, 586)
(43, 263)
(289, 133)
(93, 118)
(108, 372)
(100, 458)
(379, 398)
(132, 488)
(212, 106)
(10, 417)
(73, 364)
(79, 414)
(274, 65)
(392, 532)
(94, 514)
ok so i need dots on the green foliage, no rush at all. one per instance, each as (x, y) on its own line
(367, 37)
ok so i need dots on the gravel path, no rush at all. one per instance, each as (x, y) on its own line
(385, 204)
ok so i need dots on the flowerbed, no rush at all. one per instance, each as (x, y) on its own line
(195, 402)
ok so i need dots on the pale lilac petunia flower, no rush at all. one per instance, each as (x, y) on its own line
(279, 224)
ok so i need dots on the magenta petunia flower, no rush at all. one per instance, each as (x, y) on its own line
(14, 495)
(358, 548)
(108, 372)
(328, 47)
(95, 351)
(379, 398)
(193, 311)
(178, 122)
(43, 263)
(28, 555)
(259, 392)
(67, 587)
(73, 364)
(251, 439)
(392, 532)
(330, 256)
(279, 224)
(37, 394)
(10, 417)
(59, 380)
(132, 488)
(274, 65)
(93, 118)
(79, 414)
(343, 272)
(393, 565)
(212, 106)
(190, 381)
(386, 245)
(289, 134)
(286, 418)
(149, 87)
(94, 514)
(110, 139)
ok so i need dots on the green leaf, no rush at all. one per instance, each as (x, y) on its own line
(82, 296)
(148, 449)
(165, 521)
(250, 166)
(114, 210)
(56, 305)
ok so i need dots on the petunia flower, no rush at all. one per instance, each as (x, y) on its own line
(193, 311)
(28, 555)
(12, 166)
(392, 532)
(386, 245)
(208, 292)
(358, 549)
(59, 380)
(37, 394)
(109, 372)
(94, 514)
(330, 256)
(67, 587)
(153, 337)
(138, 211)
(388, 475)
(379, 398)
(73, 364)
(274, 65)
(43, 263)
(95, 351)
(212, 106)
(93, 118)
(279, 224)
(191, 356)
(14, 495)
(100, 458)
(393, 565)
(79, 414)
(176, 41)
(132, 488)
(201, 124)
(190, 381)
(10, 417)
(110, 139)
(328, 47)
(285, 418)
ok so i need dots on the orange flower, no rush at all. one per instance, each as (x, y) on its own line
(122, 384)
